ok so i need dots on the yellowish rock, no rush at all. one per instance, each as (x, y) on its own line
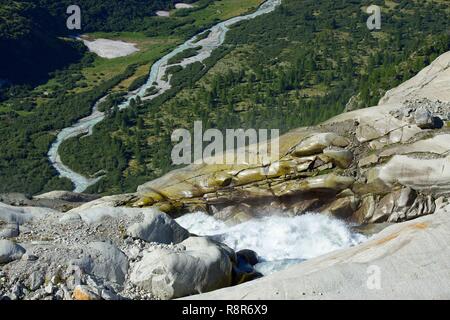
(84, 293)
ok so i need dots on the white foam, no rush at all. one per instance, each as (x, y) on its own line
(279, 241)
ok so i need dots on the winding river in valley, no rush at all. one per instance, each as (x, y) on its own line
(156, 78)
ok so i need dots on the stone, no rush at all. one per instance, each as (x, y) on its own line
(10, 251)
(243, 270)
(250, 256)
(366, 209)
(203, 266)
(85, 293)
(406, 198)
(423, 205)
(343, 207)
(17, 290)
(9, 230)
(70, 218)
(20, 215)
(441, 203)
(424, 119)
(35, 280)
(317, 143)
(49, 288)
(67, 196)
(233, 215)
(66, 293)
(97, 214)
(331, 182)
(419, 174)
(158, 227)
(394, 206)
(369, 161)
(58, 200)
(104, 261)
(341, 157)
(29, 257)
(109, 295)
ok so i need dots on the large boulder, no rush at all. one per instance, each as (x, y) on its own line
(57, 200)
(104, 261)
(343, 207)
(11, 218)
(9, 224)
(424, 119)
(395, 204)
(430, 174)
(201, 265)
(9, 230)
(84, 293)
(158, 227)
(101, 212)
(10, 251)
(343, 158)
(316, 143)
(67, 196)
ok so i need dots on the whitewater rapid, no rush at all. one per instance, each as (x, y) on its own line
(278, 241)
(85, 126)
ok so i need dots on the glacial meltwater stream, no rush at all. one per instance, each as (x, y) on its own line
(85, 126)
(278, 241)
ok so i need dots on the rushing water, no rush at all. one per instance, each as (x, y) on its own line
(158, 70)
(278, 241)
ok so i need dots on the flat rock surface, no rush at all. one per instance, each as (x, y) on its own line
(431, 83)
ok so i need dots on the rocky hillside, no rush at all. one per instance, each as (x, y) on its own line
(388, 163)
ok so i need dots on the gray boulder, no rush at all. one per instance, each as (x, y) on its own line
(9, 230)
(425, 120)
(67, 196)
(105, 262)
(9, 223)
(9, 251)
(204, 265)
(57, 200)
(15, 199)
(158, 227)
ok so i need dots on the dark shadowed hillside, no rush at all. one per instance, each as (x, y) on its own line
(29, 32)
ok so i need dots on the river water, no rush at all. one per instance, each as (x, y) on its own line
(279, 241)
(85, 126)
